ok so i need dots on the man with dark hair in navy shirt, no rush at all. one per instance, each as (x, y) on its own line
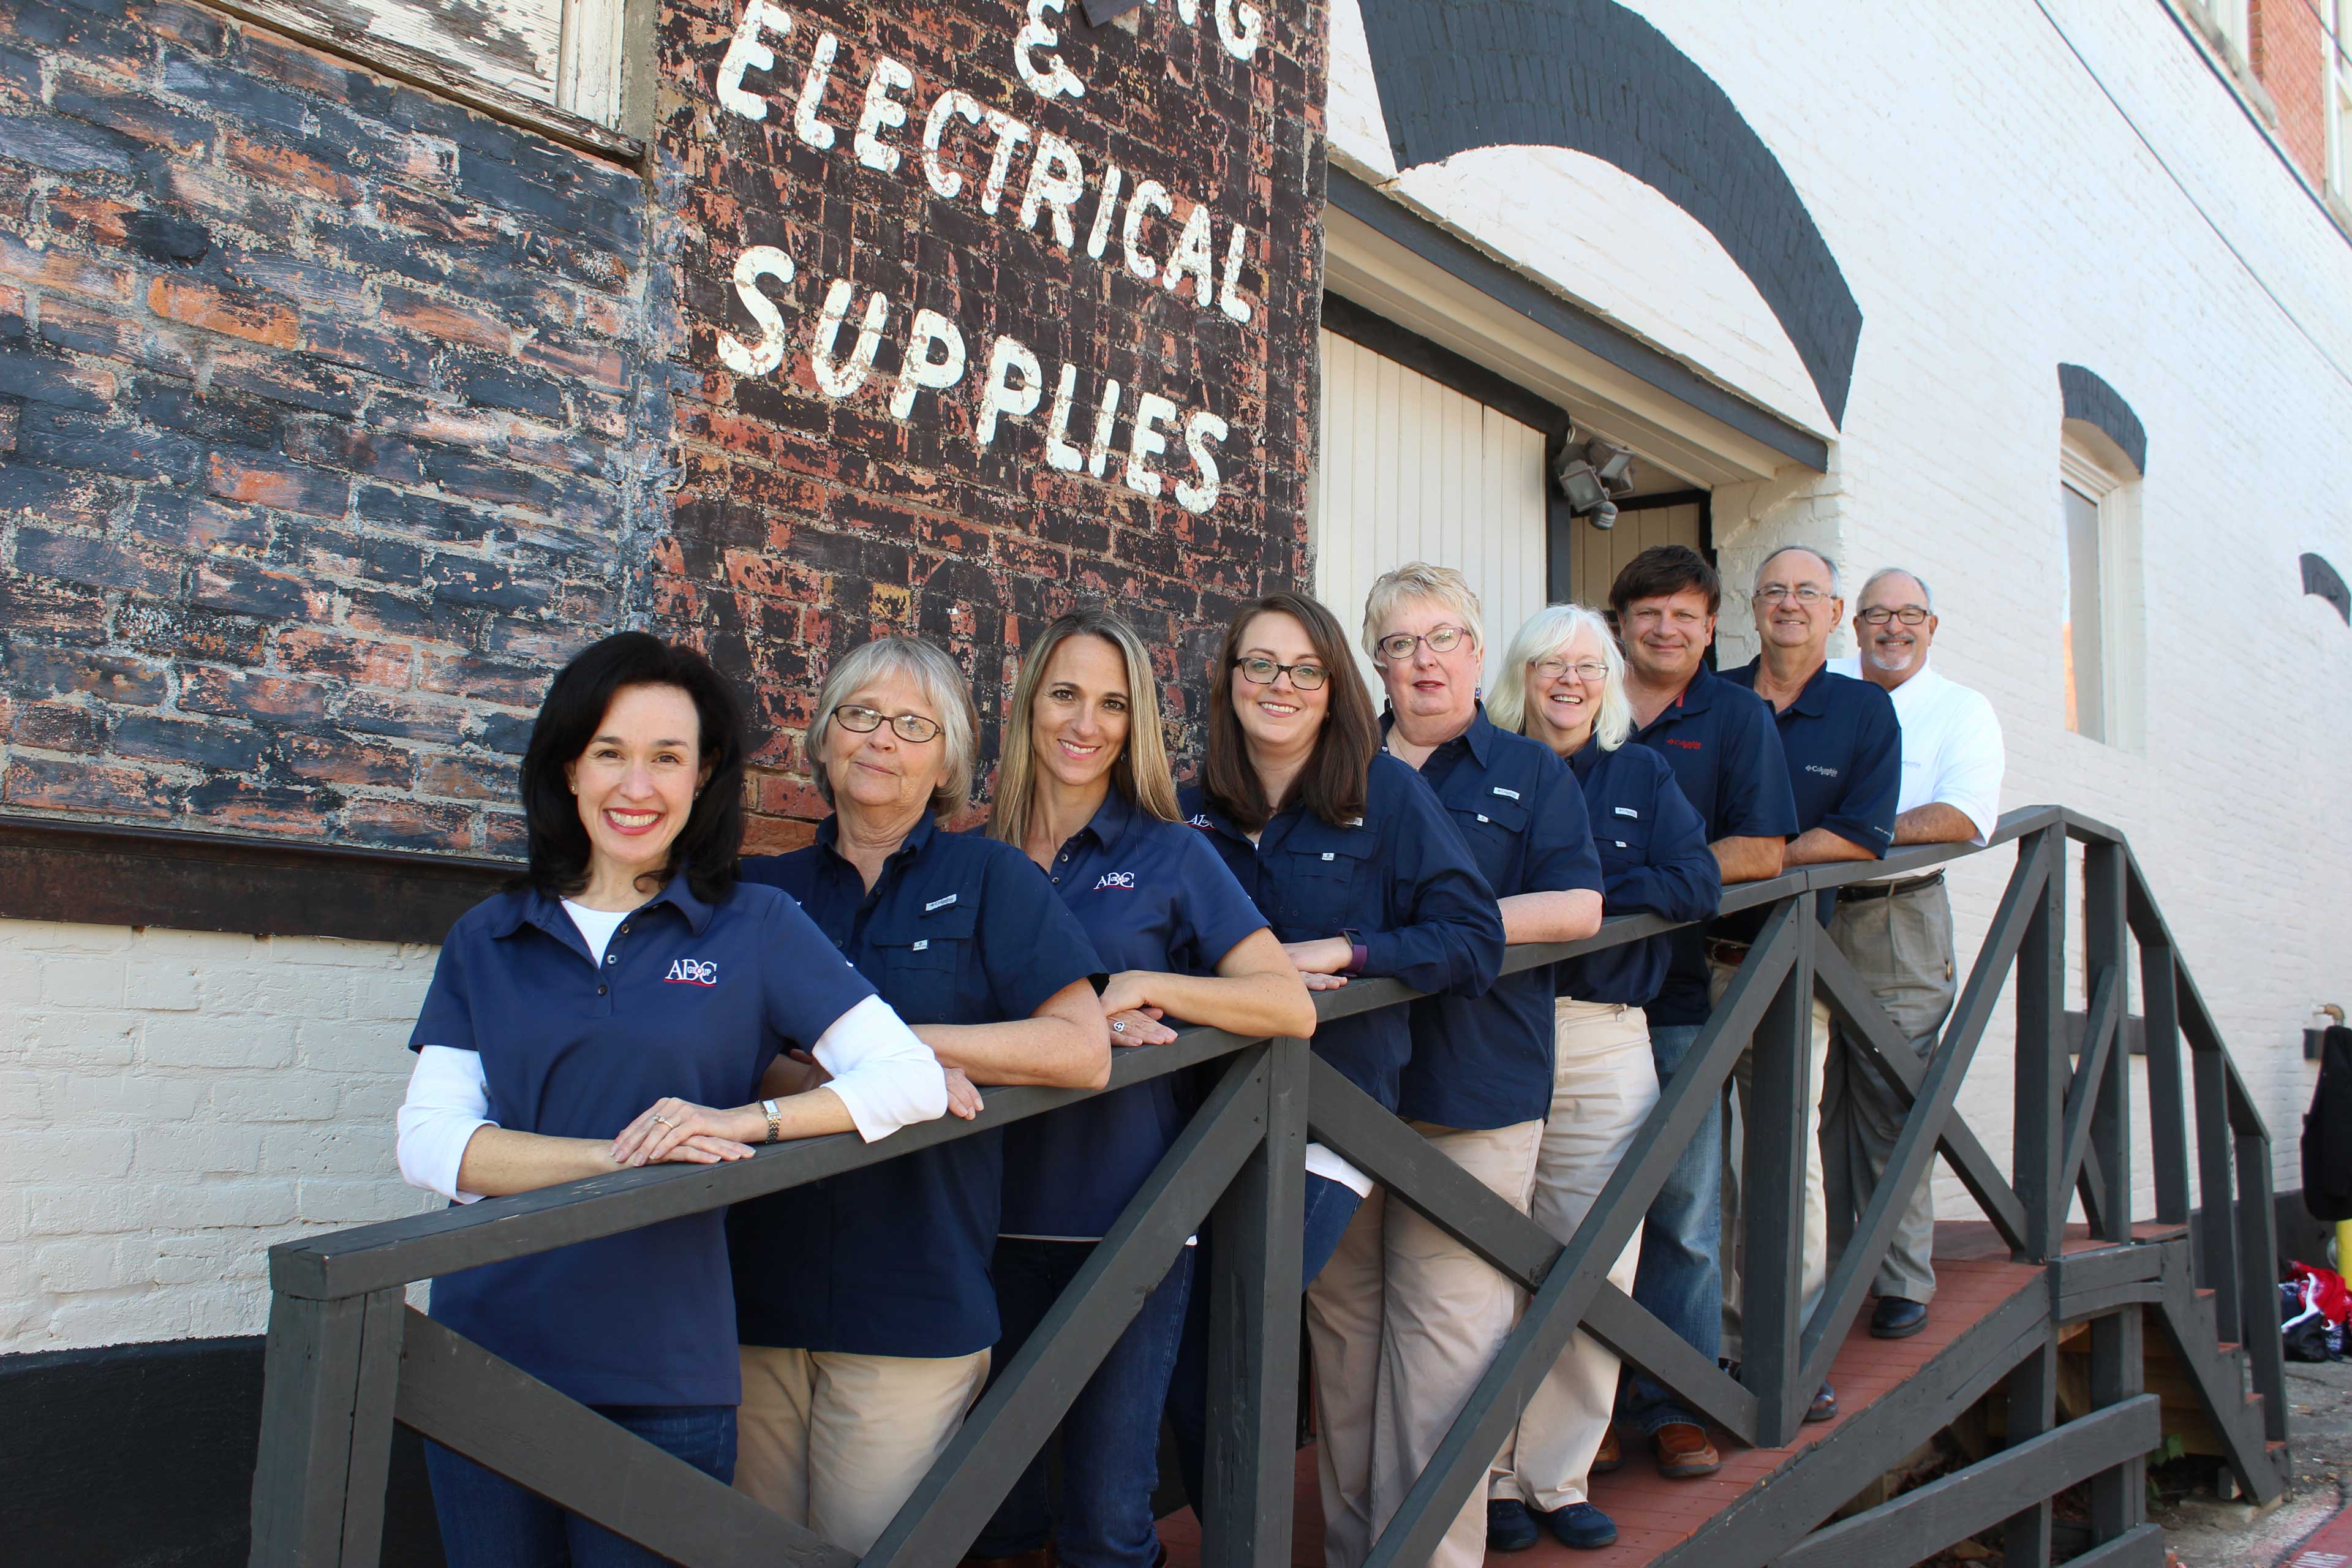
(1726, 756)
(1844, 752)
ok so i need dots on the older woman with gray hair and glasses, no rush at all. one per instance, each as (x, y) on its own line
(1562, 681)
(863, 1303)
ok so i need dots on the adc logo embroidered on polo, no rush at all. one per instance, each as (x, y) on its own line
(691, 972)
(1115, 879)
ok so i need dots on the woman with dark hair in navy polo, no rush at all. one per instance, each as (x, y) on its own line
(1359, 870)
(864, 1301)
(1085, 789)
(592, 1018)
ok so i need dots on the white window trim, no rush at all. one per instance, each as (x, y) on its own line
(2337, 102)
(603, 45)
(2081, 470)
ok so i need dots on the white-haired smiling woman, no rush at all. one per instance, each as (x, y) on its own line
(1562, 681)
(863, 1303)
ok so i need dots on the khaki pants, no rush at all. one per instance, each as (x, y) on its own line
(838, 1442)
(1814, 1274)
(1901, 945)
(1604, 1083)
(1404, 1321)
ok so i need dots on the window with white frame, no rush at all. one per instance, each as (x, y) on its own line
(2097, 607)
(518, 56)
(2230, 22)
(2338, 77)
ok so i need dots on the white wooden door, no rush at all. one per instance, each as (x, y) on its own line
(1409, 469)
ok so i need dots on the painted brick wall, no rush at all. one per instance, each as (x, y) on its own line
(2291, 60)
(1996, 216)
(319, 422)
(333, 416)
(173, 1103)
(821, 504)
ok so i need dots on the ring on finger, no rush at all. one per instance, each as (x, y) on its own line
(1119, 1025)
(664, 1120)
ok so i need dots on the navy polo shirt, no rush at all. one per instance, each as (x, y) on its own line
(1721, 741)
(1151, 895)
(1486, 1061)
(692, 999)
(893, 1259)
(1653, 853)
(1845, 751)
(1399, 876)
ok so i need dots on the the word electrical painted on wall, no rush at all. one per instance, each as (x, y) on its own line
(1001, 160)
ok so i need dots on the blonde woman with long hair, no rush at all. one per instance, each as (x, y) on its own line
(1562, 681)
(1084, 789)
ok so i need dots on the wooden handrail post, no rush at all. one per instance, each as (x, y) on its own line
(331, 1373)
(2107, 949)
(2217, 1203)
(2168, 1112)
(2041, 1087)
(1254, 1315)
(1773, 1127)
(2257, 1277)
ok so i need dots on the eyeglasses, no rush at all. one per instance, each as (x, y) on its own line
(865, 721)
(1262, 671)
(1878, 615)
(1587, 669)
(1399, 646)
(1804, 594)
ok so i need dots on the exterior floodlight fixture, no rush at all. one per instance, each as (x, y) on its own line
(1591, 474)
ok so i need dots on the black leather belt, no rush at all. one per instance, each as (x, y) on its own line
(1857, 892)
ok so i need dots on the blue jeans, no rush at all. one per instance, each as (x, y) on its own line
(1329, 1207)
(489, 1521)
(1680, 1276)
(1110, 1436)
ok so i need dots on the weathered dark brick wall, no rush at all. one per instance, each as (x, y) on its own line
(322, 415)
(805, 521)
(333, 416)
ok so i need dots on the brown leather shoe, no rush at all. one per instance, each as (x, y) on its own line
(1684, 1452)
(1610, 1456)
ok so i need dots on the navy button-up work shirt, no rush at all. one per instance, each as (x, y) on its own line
(1151, 895)
(1653, 853)
(1719, 738)
(692, 999)
(1844, 751)
(1486, 1061)
(1401, 878)
(893, 1259)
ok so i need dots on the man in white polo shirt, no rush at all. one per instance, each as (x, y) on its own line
(1897, 931)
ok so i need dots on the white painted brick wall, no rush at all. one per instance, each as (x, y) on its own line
(171, 1103)
(1994, 215)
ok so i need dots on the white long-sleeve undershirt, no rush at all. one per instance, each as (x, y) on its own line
(886, 1077)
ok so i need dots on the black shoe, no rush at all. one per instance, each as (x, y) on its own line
(1896, 1319)
(1509, 1526)
(1582, 1526)
(1824, 1405)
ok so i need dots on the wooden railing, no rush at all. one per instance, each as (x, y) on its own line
(347, 1358)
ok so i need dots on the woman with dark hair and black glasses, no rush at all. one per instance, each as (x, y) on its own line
(599, 1015)
(1360, 871)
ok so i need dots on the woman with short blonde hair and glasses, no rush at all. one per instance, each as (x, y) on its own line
(1084, 790)
(863, 1301)
(1562, 681)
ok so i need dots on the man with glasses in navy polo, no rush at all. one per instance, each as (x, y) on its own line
(1897, 931)
(1726, 756)
(1845, 754)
